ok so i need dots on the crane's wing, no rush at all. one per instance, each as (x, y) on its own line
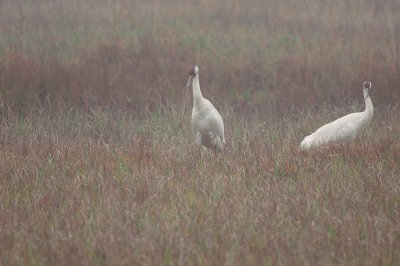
(216, 124)
(341, 129)
(209, 120)
(347, 132)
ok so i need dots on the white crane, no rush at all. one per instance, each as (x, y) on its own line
(207, 123)
(343, 129)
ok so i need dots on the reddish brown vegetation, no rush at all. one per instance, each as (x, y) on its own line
(96, 170)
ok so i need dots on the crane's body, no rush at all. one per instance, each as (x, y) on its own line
(344, 129)
(207, 123)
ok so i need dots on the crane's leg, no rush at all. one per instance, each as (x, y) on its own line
(198, 142)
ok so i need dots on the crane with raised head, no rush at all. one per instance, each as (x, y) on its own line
(207, 123)
(344, 129)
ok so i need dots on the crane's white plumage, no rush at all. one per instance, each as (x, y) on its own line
(343, 129)
(207, 123)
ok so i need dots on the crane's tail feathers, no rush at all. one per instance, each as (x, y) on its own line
(219, 143)
(307, 143)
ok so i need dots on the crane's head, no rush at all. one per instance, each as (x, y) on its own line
(367, 85)
(193, 70)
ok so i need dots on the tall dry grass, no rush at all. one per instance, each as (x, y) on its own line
(110, 188)
(93, 166)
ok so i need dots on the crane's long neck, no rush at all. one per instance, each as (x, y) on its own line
(197, 96)
(369, 109)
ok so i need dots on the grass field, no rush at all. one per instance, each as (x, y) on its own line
(95, 170)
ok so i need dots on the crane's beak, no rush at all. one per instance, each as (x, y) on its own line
(190, 81)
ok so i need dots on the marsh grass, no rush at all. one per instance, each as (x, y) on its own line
(80, 188)
(94, 168)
